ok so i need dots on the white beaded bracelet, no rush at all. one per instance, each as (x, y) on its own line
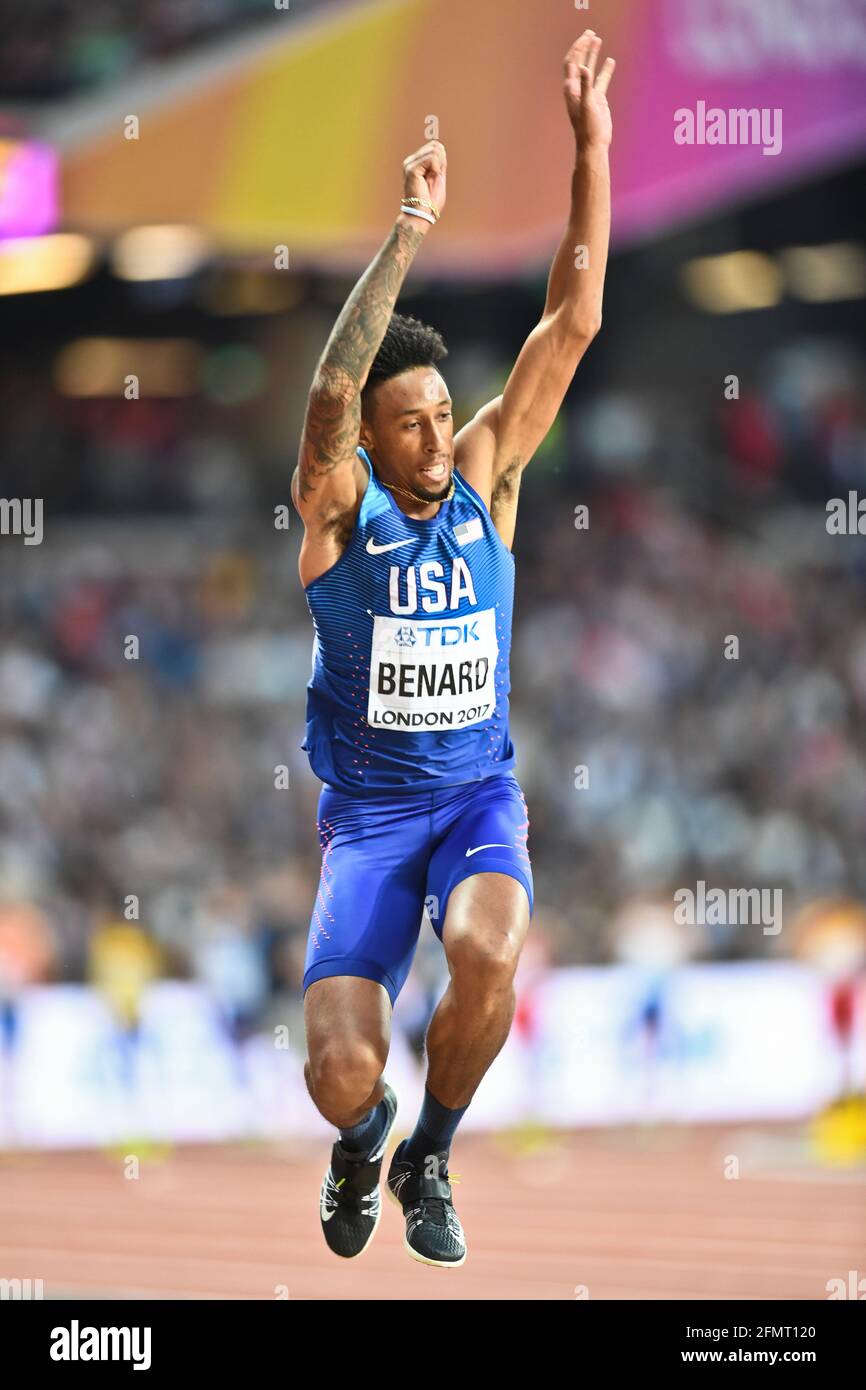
(418, 212)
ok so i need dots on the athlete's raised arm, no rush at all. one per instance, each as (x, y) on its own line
(324, 483)
(494, 447)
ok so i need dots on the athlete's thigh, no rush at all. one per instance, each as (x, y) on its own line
(485, 832)
(367, 914)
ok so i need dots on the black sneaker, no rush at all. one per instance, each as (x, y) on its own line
(433, 1231)
(349, 1203)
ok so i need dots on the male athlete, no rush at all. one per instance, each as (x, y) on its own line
(407, 568)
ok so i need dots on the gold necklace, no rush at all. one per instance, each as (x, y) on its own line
(393, 487)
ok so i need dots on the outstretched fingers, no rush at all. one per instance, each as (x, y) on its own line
(582, 58)
(576, 56)
(593, 50)
(603, 80)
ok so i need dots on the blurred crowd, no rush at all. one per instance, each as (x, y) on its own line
(688, 683)
(49, 48)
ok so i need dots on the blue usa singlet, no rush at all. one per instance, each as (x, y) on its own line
(410, 680)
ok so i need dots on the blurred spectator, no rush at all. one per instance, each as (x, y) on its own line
(50, 48)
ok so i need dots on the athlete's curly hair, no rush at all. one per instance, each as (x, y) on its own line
(407, 343)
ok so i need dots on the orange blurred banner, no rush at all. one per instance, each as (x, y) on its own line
(302, 143)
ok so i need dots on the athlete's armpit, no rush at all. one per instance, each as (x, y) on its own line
(505, 489)
(503, 503)
(496, 479)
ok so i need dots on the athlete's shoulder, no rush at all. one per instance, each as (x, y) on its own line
(469, 488)
(323, 513)
(329, 534)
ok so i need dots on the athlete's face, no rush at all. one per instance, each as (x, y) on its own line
(409, 433)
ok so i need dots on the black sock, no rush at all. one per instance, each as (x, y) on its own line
(433, 1133)
(365, 1135)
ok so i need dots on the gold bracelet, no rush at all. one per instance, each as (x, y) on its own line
(419, 202)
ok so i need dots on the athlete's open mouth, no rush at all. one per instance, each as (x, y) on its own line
(435, 472)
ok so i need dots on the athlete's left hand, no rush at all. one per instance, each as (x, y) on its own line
(586, 94)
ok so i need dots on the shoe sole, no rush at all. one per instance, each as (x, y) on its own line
(378, 1189)
(424, 1259)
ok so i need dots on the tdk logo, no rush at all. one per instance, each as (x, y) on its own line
(450, 634)
(437, 634)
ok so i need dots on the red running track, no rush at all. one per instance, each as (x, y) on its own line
(625, 1214)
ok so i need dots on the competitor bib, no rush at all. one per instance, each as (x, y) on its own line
(432, 673)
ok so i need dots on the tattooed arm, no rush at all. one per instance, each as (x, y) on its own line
(326, 483)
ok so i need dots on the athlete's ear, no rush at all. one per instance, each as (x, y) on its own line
(365, 435)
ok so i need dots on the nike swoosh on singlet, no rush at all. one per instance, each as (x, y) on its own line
(374, 549)
(478, 847)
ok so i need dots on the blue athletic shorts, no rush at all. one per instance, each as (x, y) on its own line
(385, 858)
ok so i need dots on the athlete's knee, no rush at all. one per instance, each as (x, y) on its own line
(343, 1072)
(484, 958)
(348, 1036)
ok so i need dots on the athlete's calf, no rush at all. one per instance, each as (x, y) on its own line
(485, 927)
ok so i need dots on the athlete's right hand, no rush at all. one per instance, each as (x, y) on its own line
(424, 176)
